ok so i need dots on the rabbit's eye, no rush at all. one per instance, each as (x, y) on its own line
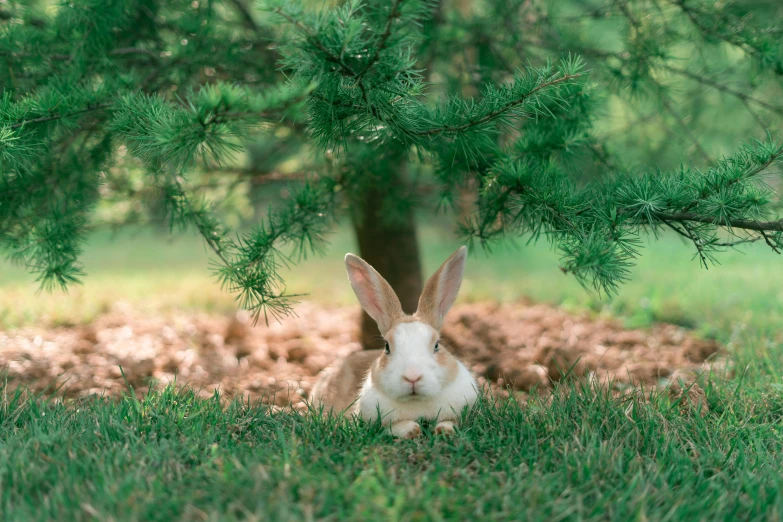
(437, 346)
(387, 349)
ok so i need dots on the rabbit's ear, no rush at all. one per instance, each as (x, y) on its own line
(374, 293)
(441, 289)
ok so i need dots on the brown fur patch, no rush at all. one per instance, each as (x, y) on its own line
(381, 363)
(378, 366)
(339, 387)
(448, 361)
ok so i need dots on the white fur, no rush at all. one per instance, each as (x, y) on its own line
(412, 355)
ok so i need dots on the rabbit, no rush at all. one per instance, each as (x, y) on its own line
(414, 376)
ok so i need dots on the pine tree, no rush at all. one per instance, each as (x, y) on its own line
(395, 105)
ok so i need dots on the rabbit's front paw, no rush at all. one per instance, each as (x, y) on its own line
(406, 430)
(444, 428)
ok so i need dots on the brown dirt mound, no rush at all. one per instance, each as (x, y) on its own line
(522, 345)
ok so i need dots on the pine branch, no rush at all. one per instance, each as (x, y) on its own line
(209, 238)
(623, 5)
(762, 123)
(520, 141)
(739, 242)
(745, 224)
(770, 243)
(774, 157)
(693, 16)
(313, 38)
(724, 88)
(59, 116)
(704, 80)
(498, 112)
(686, 233)
(393, 15)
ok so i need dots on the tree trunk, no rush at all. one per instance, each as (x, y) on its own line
(392, 249)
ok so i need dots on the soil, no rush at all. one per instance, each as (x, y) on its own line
(522, 345)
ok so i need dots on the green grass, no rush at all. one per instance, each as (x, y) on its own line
(586, 456)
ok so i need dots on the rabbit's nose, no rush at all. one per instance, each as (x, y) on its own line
(412, 378)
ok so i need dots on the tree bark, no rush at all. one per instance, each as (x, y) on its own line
(393, 250)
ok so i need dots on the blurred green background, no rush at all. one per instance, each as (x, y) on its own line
(154, 271)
